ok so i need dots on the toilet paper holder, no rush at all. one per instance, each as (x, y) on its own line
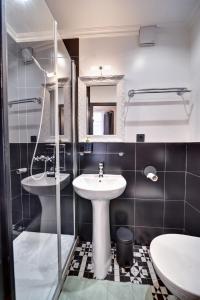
(151, 173)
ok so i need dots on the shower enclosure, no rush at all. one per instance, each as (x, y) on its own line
(40, 107)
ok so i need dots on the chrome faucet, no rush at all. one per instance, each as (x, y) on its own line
(100, 169)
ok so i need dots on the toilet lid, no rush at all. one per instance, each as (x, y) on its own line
(177, 257)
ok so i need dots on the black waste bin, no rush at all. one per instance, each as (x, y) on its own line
(124, 247)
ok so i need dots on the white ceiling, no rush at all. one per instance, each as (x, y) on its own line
(28, 16)
(77, 15)
(32, 20)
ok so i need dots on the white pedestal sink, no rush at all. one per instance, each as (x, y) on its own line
(45, 188)
(100, 191)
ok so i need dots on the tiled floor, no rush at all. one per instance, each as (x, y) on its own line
(142, 271)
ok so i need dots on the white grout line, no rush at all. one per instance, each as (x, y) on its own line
(116, 271)
(196, 209)
(153, 274)
(82, 267)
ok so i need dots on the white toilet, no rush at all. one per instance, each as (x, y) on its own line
(176, 259)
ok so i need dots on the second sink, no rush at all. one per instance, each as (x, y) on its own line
(45, 188)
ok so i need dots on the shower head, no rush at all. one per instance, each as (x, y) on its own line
(27, 55)
(28, 58)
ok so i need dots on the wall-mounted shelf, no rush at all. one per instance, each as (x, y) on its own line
(101, 80)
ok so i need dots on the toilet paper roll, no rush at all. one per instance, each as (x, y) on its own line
(152, 176)
(21, 171)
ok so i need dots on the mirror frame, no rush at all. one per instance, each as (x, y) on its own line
(62, 84)
(83, 82)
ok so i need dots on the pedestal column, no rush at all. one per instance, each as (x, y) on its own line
(101, 238)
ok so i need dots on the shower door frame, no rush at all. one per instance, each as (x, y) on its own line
(6, 255)
(62, 271)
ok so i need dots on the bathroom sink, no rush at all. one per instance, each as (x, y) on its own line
(91, 187)
(100, 190)
(45, 188)
(45, 185)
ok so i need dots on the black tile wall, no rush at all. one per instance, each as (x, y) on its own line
(192, 220)
(144, 235)
(115, 162)
(150, 155)
(192, 194)
(121, 214)
(174, 214)
(147, 189)
(175, 157)
(192, 203)
(147, 208)
(149, 213)
(17, 209)
(84, 211)
(14, 156)
(193, 158)
(174, 183)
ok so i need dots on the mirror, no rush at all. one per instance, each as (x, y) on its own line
(101, 108)
(64, 108)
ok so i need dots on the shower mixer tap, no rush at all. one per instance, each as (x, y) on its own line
(45, 158)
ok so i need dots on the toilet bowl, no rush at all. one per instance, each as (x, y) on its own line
(176, 259)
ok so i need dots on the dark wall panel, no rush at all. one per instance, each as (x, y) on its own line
(147, 208)
(192, 207)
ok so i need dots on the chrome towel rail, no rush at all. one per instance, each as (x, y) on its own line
(179, 91)
(27, 100)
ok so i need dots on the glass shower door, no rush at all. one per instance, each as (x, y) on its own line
(34, 148)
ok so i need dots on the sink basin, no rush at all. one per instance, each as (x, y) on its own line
(89, 186)
(45, 185)
(45, 188)
(100, 191)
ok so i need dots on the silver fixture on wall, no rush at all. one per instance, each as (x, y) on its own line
(147, 36)
(26, 100)
(27, 55)
(82, 153)
(21, 171)
(151, 173)
(44, 158)
(179, 91)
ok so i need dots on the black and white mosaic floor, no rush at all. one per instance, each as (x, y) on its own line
(142, 271)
